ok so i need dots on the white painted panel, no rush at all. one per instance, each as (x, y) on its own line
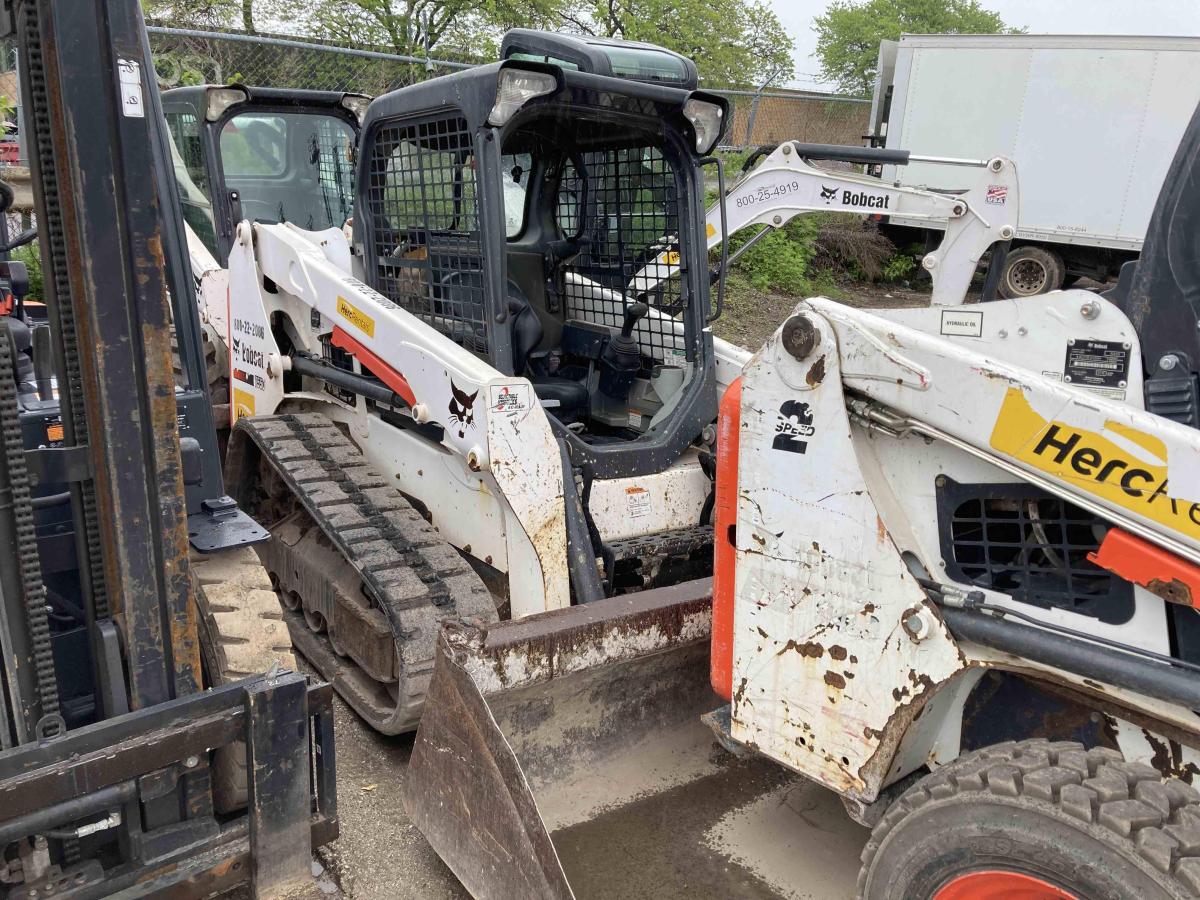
(1092, 123)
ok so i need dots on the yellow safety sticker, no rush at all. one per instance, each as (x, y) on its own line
(356, 317)
(671, 257)
(1095, 463)
(243, 404)
(710, 229)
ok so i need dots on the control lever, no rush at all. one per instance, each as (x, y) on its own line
(634, 312)
(621, 359)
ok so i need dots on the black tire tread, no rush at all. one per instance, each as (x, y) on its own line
(1159, 818)
(242, 633)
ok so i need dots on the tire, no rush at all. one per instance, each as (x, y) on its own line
(1029, 271)
(242, 633)
(1084, 821)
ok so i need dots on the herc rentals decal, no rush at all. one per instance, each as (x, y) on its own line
(356, 317)
(1095, 462)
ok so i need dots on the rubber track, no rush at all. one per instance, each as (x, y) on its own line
(414, 576)
(1157, 818)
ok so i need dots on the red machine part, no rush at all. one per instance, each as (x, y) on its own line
(729, 419)
(997, 885)
(1159, 571)
(378, 367)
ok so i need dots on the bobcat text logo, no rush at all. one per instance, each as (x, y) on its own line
(862, 198)
(828, 193)
(794, 423)
(462, 409)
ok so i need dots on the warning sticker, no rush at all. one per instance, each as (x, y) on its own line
(637, 502)
(510, 400)
(1097, 364)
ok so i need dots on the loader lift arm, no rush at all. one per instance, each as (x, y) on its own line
(786, 184)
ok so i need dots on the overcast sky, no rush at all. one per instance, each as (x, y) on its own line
(1039, 16)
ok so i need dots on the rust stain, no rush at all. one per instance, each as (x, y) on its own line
(833, 679)
(1173, 591)
(838, 652)
(816, 372)
(880, 530)
(809, 649)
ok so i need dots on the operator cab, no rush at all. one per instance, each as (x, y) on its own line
(511, 207)
(263, 154)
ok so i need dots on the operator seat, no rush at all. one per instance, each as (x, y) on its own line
(570, 398)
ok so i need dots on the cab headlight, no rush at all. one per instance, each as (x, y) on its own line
(220, 99)
(707, 121)
(515, 88)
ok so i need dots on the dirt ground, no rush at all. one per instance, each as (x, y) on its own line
(796, 840)
(752, 316)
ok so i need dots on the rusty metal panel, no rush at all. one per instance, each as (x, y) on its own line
(537, 724)
(836, 648)
(278, 783)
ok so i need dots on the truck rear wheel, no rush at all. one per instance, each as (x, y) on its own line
(1031, 270)
(1036, 819)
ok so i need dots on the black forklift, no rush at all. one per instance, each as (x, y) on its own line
(154, 736)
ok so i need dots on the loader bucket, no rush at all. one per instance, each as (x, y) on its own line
(564, 755)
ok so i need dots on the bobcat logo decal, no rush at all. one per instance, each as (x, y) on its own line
(462, 409)
(828, 193)
(795, 422)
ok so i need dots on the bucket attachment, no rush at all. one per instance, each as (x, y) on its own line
(564, 755)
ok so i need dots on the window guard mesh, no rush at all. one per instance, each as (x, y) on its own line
(632, 217)
(422, 201)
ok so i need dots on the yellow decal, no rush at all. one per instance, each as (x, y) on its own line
(1095, 463)
(356, 317)
(710, 229)
(671, 257)
(243, 404)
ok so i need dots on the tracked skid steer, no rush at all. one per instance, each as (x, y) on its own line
(956, 563)
(511, 406)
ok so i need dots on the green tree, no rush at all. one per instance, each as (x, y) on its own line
(849, 32)
(734, 43)
(202, 13)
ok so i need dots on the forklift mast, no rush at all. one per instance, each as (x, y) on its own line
(138, 459)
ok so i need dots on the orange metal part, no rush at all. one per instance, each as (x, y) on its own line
(1159, 571)
(378, 367)
(724, 522)
(996, 885)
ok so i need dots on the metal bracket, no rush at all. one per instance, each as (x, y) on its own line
(277, 779)
(220, 525)
(55, 465)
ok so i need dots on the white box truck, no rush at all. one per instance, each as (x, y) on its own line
(1092, 123)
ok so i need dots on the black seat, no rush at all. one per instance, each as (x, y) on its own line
(568, 401)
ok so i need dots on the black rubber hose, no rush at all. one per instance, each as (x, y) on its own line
(867, 155)
(1083, 658)
(581, 558)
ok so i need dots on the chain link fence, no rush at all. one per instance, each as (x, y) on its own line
(184, 57)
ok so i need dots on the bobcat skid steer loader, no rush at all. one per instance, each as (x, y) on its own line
(957, 563)
(510, 412)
